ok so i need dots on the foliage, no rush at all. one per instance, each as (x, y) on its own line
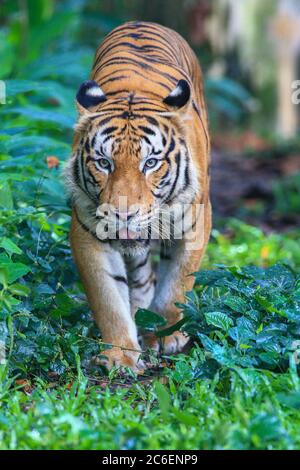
(237, 409)
(239, 243)
(227, 99)
(287, 195)
(246, 317)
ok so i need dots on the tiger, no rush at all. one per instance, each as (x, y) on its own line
(141, 136)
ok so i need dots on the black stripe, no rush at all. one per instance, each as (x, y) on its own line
(76, 173)
(140, 64)
(87, 229)
(113, 79)
(177, 160)
(147, 130)
(151, 120)
(129, 45)
(83, 174)
(109, 130)
(141, 264)
(139, 285)
(170, 149)
(119, 278)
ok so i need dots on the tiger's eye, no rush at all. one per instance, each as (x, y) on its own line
(151, 163)
(104, 163)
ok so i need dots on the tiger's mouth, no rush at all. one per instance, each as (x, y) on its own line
(131, 247)
(135, 229)
(128, 234)
(131, 239)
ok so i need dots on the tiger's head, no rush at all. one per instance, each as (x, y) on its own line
(130, 162)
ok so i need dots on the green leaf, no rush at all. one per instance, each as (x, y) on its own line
(7, 55)
(36, 143)
(291, 400)
(10, 246)
(16, 87)
(6, 199)
(64, 306)
(19, 289)
(14, 270)
(186, 418)
(237, 304)
(169, 331)
(149, 320)
(3, 276)
(45, 115)
(268, 306)
(219, 320)
(163, 397)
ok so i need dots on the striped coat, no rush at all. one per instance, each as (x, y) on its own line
(139, 178)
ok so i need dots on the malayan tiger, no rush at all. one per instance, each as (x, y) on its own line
(141, 137)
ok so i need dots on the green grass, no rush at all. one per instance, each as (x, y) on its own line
(237, 389)
(237, 409)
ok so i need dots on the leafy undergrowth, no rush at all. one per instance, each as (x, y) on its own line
(238, 388)
(247, 317)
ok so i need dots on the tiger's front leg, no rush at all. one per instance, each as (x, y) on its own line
(171, 285)
(142, 281)
(104, 277)
(177, 264)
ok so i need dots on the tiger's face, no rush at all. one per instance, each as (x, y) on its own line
(131, 164)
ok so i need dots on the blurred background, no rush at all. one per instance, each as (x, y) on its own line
(249, 51)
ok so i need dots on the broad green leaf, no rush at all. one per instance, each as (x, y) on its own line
(236, 304)
(15, 87)
(19, 289)
(219, 319)
(14, 270)
(35, 143)
(264, 302)
(45, 115)
(9, 246)
(169, 331)
(149, 320)
(291, 400)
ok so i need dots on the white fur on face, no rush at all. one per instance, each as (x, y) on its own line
(156, 144)
(106, 146)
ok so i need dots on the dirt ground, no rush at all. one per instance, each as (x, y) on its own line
(242, 182)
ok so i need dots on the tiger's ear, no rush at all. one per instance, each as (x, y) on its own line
(179, 96)
(89, 95)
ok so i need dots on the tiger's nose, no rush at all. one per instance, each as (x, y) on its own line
(126, 216)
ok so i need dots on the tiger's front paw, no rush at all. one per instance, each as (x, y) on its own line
(117, 357)
(174, 343)
(169, 344)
